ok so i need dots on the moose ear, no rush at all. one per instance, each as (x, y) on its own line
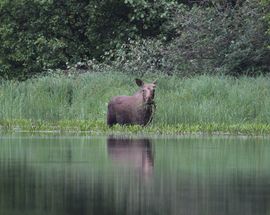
(139, 82)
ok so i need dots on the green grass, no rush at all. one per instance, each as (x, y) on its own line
(79, 103)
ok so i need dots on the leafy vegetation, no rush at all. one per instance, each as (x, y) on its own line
(172, 37)
(266, 4)
(204, 41)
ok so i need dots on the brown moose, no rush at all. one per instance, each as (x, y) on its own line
(136, 109)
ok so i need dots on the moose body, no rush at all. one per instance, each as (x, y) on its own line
(131, 110)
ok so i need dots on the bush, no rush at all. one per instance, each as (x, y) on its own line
(39, 35)
(162, 35)
(204, 40)
(266, 5)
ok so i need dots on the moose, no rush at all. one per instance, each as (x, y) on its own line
(133, 110)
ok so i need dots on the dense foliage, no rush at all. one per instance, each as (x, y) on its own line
(182, 37)
(204, 41)
(266, 4)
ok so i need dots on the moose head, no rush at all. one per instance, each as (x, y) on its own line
(147, 90)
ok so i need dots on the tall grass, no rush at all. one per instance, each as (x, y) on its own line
(206, 99)
(197, 100)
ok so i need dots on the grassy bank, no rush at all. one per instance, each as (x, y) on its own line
(199, 104)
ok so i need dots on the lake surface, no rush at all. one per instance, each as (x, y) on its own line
(107, 175)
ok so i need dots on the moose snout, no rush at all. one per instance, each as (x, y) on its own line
(150, 99)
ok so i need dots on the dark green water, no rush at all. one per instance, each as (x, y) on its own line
(84, 175)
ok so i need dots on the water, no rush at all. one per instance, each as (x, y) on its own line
(85, 175)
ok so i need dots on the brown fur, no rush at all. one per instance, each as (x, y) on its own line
(136, 109)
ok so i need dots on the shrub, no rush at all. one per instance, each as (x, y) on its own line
(141, 36)
(266, 5)
(202, 40)
(40, 35)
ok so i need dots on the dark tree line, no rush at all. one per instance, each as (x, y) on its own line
(185, 37)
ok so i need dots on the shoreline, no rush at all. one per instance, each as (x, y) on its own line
(98, 128)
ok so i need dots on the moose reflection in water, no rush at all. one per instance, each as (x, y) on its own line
(134, 153)
(73, 176)
(136, 109)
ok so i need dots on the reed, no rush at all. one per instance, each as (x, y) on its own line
(202, 103)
